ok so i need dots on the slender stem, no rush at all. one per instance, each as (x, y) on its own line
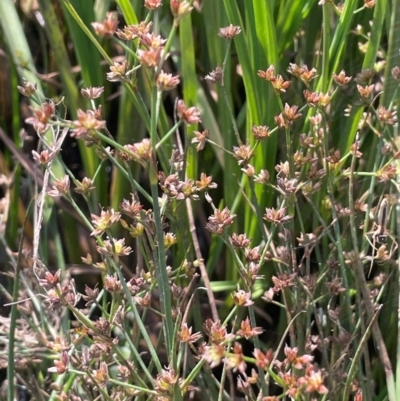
(13, 317)
(159, 252)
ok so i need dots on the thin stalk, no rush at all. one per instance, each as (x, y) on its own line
(362, 284)
(13, 316)
(356, 358)
(398, 286)
(160, 256)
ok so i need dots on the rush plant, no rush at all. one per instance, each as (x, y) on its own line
(200, 200)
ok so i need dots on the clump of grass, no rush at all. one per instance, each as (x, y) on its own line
(283, 200)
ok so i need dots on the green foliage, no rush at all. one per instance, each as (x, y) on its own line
(213, 184)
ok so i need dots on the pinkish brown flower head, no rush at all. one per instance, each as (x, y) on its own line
(132, 209)
(27, 88)
(341, 79)
(185, 335)
(166, 82)
(369, 3)
(61, 365)
(262, 178)
(112, 284)
(60, 187)
(152, 41)
(201, 139)
(152, 4)
(229, 32)
(219, 220)
(45, 157)
(247, 331)
(50, 280)
(303, 72)
(276, 216)
(216, 75)
(190, 115)
(386, 116)
(396, 73)
(101, 375)
(166, 380)
(263, 360)
(243, 154)
(365, 91)
(290, 113)
(242, 298)
(205, 182)
(107, 28)
(41, 116)
(149, 58)
(118, 72)
(86, 124)
(104, 221)
(114, 248)
(213, 354)
(179, 9)
(235, 360)
(132, 32)
(141, 151)
(268, 75)
(85, 186)
(92, 92)
(239, 240)
(279, 84)
(260, 132)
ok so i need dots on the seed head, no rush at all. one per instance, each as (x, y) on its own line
(396, 73)
(132, 32)
(263, 361)
(60, 187)
(150, 58)
(41, 116)
(166, 82)
(101, 375)
(341, 79)
(85, 186)
(365, 91)
(262, 178)
(247, 331)
(260, 132)
(190, 115)
(386, 116)
(229, 32)
(45, 157)
(276, 216)
(185, 335)
(92, 92)
(104, 221)
(201, 139)
(179, 9)
(242, 298)
(239, 240)
(268, 75)
(118, 72)
(86, 125)
(243, 154)
(27, 88)
(107, 28)
(152, 4)
(205, 182)
(216, 75)
(114, 248)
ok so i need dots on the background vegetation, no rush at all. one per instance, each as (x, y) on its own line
(199, 200)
